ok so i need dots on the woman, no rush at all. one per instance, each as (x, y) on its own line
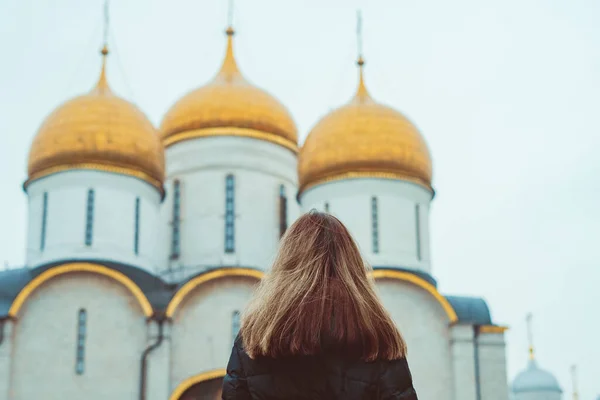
(315, 328)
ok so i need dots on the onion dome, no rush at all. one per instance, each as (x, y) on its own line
(364, 139)
(229, 106)
(98, 131)
(535, 379)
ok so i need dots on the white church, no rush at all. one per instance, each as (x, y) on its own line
(145, 244)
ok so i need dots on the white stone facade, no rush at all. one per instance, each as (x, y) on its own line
(462, 347)
(201, 165)
(113, 219)
(425, 327)
(198, 338)
(44, 341)
(202, 327)
(492, 361)
(403, 218)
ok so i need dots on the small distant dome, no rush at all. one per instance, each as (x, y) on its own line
(229, 106)
(535, 379)
(98, 131)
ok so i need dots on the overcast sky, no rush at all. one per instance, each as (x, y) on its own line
(506, 94)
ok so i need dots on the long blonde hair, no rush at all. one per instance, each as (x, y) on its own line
(318, 295)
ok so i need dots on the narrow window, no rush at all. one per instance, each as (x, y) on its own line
(326, 207)
(283, 219)
(136, 235)
(176, 222)
(418, 230)
(81, 333)
(229, 214)
(235, 324)
(89, 218)
(44, 219)
(375, 224)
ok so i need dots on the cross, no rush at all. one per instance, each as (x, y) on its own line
(359, 38)
(574, 378)
(230, 14)
(530, 335)
(105, 24)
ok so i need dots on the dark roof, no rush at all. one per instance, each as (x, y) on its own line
(156, 290)
(11, 283)
(471, 310)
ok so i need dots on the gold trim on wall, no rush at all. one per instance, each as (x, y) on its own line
(193, 380)
(230, 131)
(79, 267)
(366, 174)
(492, 329)
(96, 167)
(422, 283)
(209, 276)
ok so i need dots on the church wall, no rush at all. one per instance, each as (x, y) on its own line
(424, 325)
(351, 201)
(492, 359)
(202, 165)
(6, 347)
(46, 336)
(463, 362)
(113, 228)
(158, 363)
(203, 327)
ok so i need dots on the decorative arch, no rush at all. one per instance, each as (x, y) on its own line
(209, 276)
(420, 282)
(80, 267)
(194, 380)
(258, 275)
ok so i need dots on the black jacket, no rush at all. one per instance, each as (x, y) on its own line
(326, 377)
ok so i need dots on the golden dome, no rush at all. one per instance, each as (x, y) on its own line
(98, 131)
(229, 106)
(364, 139)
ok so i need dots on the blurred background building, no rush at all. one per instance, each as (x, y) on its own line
(144, 244)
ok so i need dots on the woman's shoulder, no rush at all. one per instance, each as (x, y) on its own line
(396, 378)
(352, 367)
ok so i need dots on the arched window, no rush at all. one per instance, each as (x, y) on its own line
(229, 214)
(44, 221)
(81, 334)
(176, 221)
(89, 218)
(283, 218)
(375, 224)
(235, 324)
(136, 235)
(418, 229)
